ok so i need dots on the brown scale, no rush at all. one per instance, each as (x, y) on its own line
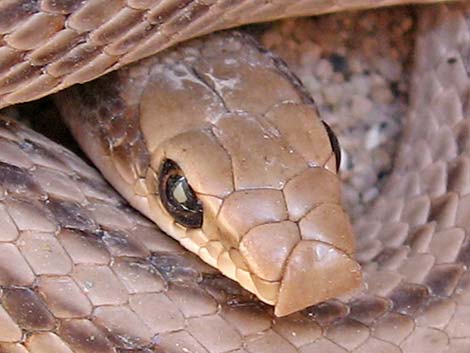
(71, 215)
(120, 244)
(161, 14)
(17, 180)
(27, 309)
(443, 279)
(77, 334)
(20, 75)
(9, 57)
(26, 38)
(15, 12)
(130, 38)
(407, 297)
(327, 312)
(93, 14)
(114, 28)
(367, 309)
(74, 58)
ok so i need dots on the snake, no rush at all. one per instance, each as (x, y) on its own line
(219, 144)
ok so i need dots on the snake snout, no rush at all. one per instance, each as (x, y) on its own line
(320, 266)
(293, 247)
(291, 264)
(314, 272)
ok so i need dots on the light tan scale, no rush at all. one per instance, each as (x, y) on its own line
(260, 162)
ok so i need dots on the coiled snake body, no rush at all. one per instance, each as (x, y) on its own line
(81, 272)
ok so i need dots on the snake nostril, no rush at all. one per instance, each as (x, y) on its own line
(178, 197)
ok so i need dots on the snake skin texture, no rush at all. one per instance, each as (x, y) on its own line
(85, 40)
(81, 272)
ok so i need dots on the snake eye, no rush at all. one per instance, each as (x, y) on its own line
(334, 144)
(178, 197)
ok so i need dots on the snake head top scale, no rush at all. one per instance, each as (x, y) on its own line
(219, 144)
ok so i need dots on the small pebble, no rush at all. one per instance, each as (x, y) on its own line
(360, 106)
(360, 84)
(332, 94)
(324, 70)
(382, 95)
(373, 138)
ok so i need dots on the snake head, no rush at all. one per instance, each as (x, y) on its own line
(232, 161)
(245, 174)
(259, 205)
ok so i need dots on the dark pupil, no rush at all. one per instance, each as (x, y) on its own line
(334, 144)
(177, 196)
